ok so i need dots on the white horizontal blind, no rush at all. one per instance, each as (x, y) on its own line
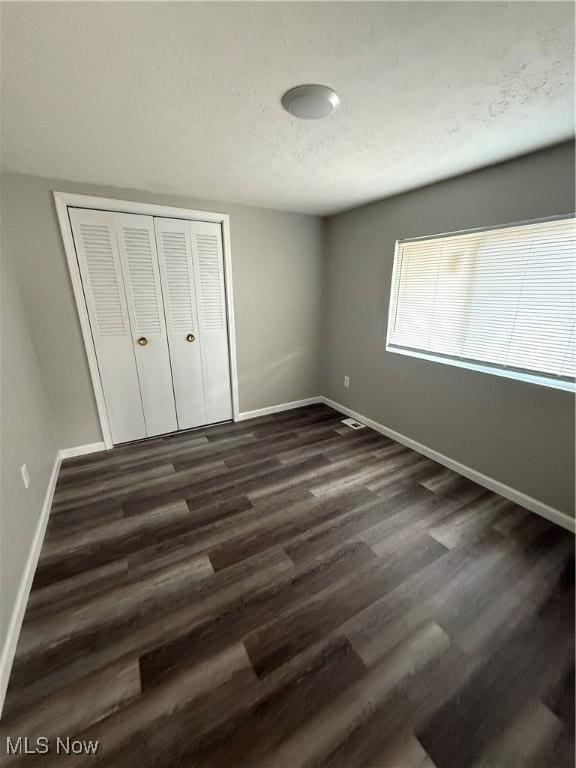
(501, 297)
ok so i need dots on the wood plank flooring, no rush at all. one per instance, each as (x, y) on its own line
(287, 592)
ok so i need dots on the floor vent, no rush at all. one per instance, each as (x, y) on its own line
(353, 424)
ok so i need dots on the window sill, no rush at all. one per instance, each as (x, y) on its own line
(530, 378)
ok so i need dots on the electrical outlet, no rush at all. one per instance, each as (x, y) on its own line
(25, 475)
(347, 382)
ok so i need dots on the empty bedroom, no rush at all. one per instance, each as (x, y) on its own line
(288, 375)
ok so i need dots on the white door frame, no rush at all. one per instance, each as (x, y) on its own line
(63, 201)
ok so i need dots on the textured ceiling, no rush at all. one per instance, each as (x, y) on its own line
(185, 97)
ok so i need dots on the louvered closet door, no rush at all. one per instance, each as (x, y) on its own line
(208, 262)
(99, 262)
(177, 275)
(139, 260)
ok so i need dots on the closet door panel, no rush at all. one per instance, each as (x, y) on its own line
(177, 275)
(100, 269)
(139, 260)
(211, 299)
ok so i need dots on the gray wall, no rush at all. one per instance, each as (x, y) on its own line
(520, 434)
(277, 262)
(27, 437)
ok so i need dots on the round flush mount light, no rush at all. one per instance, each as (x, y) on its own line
(310, 102)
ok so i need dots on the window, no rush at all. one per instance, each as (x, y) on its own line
(498, 300)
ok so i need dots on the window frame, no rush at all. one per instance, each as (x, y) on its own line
(493, 369)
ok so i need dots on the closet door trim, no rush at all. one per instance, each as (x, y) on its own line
(64, 201)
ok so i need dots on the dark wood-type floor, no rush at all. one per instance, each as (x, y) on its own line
(287, 592)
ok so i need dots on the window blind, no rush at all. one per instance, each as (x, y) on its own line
(500, 297)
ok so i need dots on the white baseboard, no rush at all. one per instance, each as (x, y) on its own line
(550, 513)
(9, 649)
(278, 408)
(80, 450)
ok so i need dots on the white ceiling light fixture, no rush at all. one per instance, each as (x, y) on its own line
(310, 102)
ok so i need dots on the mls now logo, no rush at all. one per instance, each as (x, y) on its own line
(26, 746)
(23, 745)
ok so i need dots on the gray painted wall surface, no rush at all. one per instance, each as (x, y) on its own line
(277, 263)
(520, 434)
(27, 437)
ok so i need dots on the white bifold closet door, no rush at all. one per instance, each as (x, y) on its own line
(99, 261)
(192, 272)
(156, 299)
(177, 274)
(146, 310)
(119, 266)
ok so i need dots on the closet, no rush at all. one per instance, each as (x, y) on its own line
(155, 294)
